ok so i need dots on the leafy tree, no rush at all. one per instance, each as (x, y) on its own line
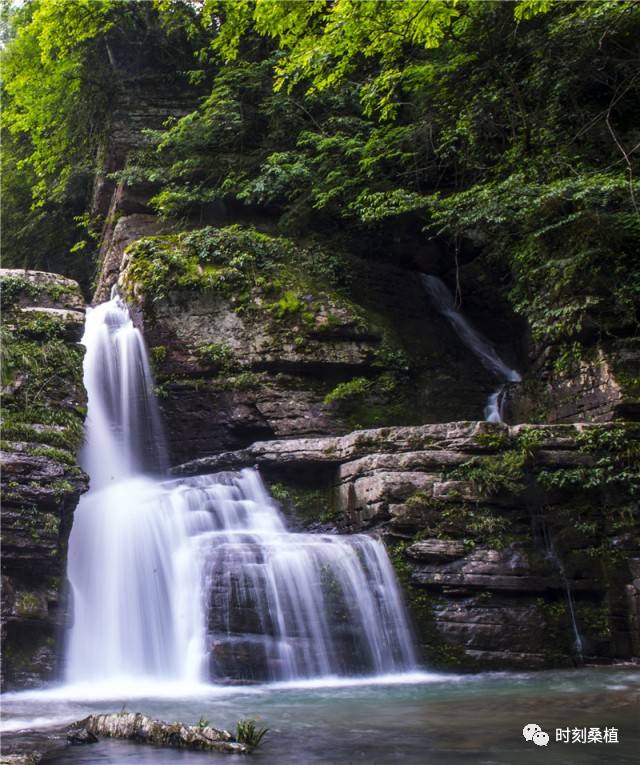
(508, 131)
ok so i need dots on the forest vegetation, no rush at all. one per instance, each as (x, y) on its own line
(508, 129)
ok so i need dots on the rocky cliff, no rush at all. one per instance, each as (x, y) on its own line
(42, 422)
(517, 547)
(255, 336)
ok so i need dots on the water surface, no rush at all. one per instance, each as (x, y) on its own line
(416, 720)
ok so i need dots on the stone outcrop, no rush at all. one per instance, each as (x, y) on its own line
(43, 413)
(601, 387)
(254, 337)
(140, 104)
(497, 533)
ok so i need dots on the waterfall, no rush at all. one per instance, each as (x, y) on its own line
(198, 578)
(557, 560)
(444, 303)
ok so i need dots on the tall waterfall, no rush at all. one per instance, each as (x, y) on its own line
(198, 579)
(444, 303)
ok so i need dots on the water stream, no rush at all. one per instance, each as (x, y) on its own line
(443, 301)
(198, 579)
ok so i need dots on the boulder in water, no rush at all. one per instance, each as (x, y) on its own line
(135, 726)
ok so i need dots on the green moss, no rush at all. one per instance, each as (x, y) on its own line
(57, 426)
(308, 505)
(288, 304)
(40, 371)
(58, 455)
(241, 381)
(495, 441)
(62, 488)
(351, 389)
(16, 287)
(494, 474)
(158, 354)
(13, 288)
(218, 354)
(28, 604)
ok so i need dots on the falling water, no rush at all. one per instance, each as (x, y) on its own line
(557, 560)
(198, 578)
(444, 303)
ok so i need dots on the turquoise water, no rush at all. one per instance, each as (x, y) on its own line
(414, 720)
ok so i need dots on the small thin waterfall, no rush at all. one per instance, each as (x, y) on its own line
(557, 560)
(198, 578)
(444, 303)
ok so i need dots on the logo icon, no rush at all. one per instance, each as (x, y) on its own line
(530, 730)
(541, 738)
(533, 732)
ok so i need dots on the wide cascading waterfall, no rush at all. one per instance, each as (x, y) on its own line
(198, 579)
(444, 303)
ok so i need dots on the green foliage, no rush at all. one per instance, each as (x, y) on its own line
(50, 452)
(358, 386)
(218, 354)
(64, 63)
(289, 303)
(323, 44)
(480, 138)
(248, 733)
(494, 474)
(28, 604)
(45, 74)
(158, 354)
(616, 462)
(507, 131)
(308, 505)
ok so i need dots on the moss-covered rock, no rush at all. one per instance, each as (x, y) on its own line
(281, 338)
(42, 426)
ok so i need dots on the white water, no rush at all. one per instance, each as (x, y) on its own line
(197, 579)
(444, 303)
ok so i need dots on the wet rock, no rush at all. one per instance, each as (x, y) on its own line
(601, 389)
(484, 584)
(80, 736)
(507, 569)
(43, 412)
(145, 730)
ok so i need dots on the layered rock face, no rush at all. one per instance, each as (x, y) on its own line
(42, 424)
(602, 386)
(517, 547)
(257, 337)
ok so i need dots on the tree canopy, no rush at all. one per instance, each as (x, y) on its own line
(510, 130)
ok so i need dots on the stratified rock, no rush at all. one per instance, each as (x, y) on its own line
(489, 554)
(436, 550)
(424, 446)
(600, 387)
(43, 412)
